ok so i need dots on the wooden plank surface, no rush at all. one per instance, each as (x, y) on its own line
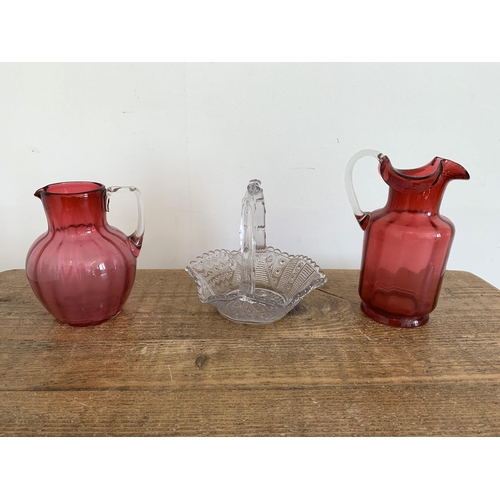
(169, 365)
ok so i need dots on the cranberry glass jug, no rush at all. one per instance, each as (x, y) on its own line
(406, 243)
(82, 269)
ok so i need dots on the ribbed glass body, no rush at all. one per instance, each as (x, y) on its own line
(82, 269)
(407, 243)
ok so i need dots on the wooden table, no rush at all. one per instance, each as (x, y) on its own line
(169, 365)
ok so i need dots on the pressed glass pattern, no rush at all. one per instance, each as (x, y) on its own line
(256, 284)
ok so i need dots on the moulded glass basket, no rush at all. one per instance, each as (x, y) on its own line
(256, 284)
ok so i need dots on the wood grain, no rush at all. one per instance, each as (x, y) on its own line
(170, 365)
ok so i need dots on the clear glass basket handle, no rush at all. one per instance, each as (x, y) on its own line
(361, 216)
(135, 239)
(252, 234)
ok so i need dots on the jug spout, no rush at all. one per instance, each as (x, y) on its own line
(453, 170)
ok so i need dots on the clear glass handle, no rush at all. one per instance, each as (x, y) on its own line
(252, 234)
(138, 235)
(360, 214)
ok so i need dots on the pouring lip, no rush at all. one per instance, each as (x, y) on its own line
(416, 180)
(69, 188)
(432, 169)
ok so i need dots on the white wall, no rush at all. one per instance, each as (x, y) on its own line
(191, 136)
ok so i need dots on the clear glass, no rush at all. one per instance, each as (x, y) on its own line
(256, 284)
(82, 269)
(407, 243)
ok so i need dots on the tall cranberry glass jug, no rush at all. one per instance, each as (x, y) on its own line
(82, 269)
(406, 243)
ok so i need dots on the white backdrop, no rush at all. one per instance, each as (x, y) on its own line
(191, 136)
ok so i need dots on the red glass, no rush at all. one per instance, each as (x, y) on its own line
(82, 269)
(406, 243)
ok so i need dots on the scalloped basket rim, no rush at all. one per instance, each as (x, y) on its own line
(319, 281)
(202, 257)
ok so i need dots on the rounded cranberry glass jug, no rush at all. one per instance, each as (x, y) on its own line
(82, 269)
(406, 243)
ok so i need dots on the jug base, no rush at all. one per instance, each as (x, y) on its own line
(87, 322)
(395, 321)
